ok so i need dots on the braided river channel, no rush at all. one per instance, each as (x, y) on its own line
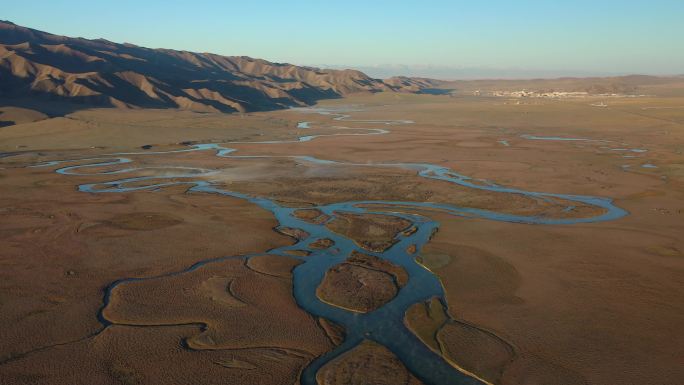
(384, 325)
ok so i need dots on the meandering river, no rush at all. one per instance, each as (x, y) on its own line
(384, 325)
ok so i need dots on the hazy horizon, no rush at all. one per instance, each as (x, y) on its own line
(476, 73)
(216, 202)
(439, 39)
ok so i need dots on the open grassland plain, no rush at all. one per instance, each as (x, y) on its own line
(297, 246)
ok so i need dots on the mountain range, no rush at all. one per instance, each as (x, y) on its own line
(55, 74)
(39, 66)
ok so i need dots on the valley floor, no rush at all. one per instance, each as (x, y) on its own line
(582, 303)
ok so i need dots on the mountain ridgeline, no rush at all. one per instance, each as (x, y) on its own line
(38, 66)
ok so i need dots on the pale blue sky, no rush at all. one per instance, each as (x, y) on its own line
(598, 36)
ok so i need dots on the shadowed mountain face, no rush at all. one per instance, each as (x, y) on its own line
(36, 65)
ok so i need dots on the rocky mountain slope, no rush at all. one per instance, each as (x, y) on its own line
(36, 65)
